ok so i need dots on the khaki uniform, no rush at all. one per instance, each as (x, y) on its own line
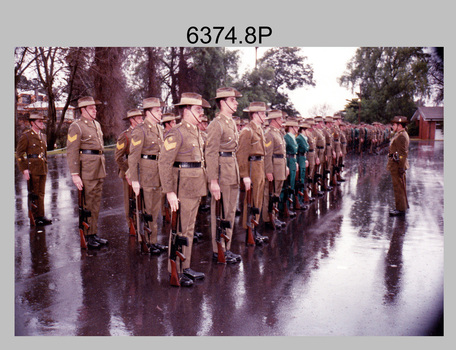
(321, 145)
(311, 156)
(183, 146)
(121, 157)
(399, 144)
(85, 157)
(31, 155)
(275, 163)
(146, 140)
(250, 157)
(221, 146)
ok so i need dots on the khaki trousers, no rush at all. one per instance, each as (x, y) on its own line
(38, 183)
(257, 188)
(188, 211)
(278, 184)
(92, 199)
(153, 202)
(230, 195)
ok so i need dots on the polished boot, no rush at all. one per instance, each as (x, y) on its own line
(194, 275)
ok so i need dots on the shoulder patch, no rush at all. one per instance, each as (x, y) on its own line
(72, 138)
(169, 144)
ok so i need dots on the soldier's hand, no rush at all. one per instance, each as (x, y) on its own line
(334, 154)
(247, 183)
(215, 189)
(136, 187)
(128, 179)
(269, 176)
(307, 163)
(288, 172)
(77, 181)
(173, 201)
(26, 175)
(317, 161)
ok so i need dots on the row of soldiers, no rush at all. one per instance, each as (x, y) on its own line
(163, 163)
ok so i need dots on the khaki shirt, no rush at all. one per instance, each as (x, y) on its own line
(183, 143)
(400, 144)
(329, 141)
(31, 143)
(122, 151)
(336, 134)
(275, 144)
(146, 139)
(86, 134)
(251, 142)
(222, 136)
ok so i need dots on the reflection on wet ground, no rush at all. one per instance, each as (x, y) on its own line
(343, 267)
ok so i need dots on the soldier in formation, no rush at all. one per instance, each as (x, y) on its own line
(251, 166)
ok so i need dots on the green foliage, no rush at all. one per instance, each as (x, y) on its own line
(390, 79)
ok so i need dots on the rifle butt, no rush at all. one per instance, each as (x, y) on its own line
(250, 239)
(221, 254)
(132, 228)
(83, 240)
(174, 278)
(32, 219)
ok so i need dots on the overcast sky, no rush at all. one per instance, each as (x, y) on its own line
(329, 63)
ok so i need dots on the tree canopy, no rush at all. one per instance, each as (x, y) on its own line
(122, 76)
(390, 80)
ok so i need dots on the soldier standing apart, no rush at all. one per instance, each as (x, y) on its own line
(86, 162)
(250, 157)
(183, 176)
(398, 164)
(222, 167)
(146, 140)
(135, 117)
(31, 155)
(275, 164)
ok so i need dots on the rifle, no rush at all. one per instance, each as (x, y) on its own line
(286, 198)
(222, 225)
(177, 242)
(132, 211)
(167, 211)
(272, 208)
(31, 198)
(83, 215)
(251, 222)
(141, 218)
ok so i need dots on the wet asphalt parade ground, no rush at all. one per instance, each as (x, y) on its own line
(343, 267)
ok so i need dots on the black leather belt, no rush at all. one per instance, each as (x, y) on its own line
(291, 155)
(34, 156)
(328, 144)
(310, 150)
(187, 164)
(225, 154)
(336, 140)
(277, 156)
(343, 143)
(149, 156)
(90, 151)
(320, 147)
(301, 154)
(255, 157)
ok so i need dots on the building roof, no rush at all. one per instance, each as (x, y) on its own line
(428, 113)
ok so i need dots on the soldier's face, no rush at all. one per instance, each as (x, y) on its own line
(197, 112)
(39, 124)
(90, 112)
